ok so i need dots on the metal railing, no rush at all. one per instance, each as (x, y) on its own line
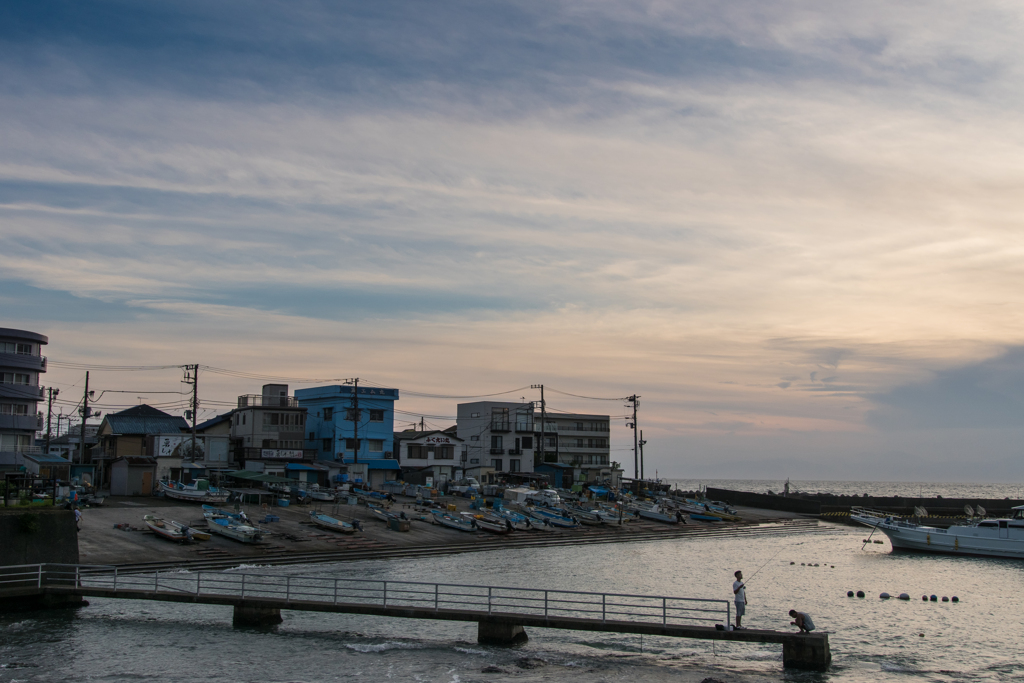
(475, 599)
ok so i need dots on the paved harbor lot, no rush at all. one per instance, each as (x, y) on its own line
(294, 539)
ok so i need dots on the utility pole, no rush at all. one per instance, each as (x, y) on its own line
(85, 418)
(355, 420)
(642, 442)
(51, 394)
(422, 428)
(636, 445)
(192, 377)
(543, 418)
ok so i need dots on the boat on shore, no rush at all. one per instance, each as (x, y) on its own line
(323, 495)
(453, 522)
(552, 517)
(330, 523)
(174, 531)
(1002, 537)
(489, 522)
(199, 491)
(232, 525)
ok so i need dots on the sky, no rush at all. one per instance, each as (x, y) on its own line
(794, 230)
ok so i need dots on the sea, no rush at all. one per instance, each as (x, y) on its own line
(975, 639)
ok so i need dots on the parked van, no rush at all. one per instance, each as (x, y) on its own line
(525, 495)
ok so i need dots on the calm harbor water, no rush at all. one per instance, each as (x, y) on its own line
(872, 640)
(908, 489)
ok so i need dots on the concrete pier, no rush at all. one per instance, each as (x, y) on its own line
(255, 615)
(500, 633)
(811, 654)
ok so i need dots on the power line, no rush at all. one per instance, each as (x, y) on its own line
(590, 398)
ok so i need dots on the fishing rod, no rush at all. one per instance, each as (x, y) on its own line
(763, 566)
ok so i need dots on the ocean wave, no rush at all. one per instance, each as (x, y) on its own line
(470, 651)
(248, 566)
(382, 647)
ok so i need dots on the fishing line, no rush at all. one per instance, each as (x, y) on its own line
(765, 564)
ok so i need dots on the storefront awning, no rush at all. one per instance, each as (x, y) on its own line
(258, 476)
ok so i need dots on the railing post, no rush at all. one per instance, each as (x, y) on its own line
(39, 576)
(115, 579)
(604, 602)
(728, 613)
(199, 580)
(488, 599)
(435, 596)
(288, 589)
(335, 591)
(156, 580)
(664, 612)
(78, 576)
(545, 604)
(385, 593)
(243, 587)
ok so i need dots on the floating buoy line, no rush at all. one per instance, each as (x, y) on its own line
(905, 596)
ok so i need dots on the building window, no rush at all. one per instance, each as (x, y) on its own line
(496, 464)
(326, 444)
(579, 443)
(475, 437)
(444, 453)
(474, 461)
(376, 445)
(351, 414)
(513, 465)
(579, 426)
(328, 414)
(351, 444)
(551, 442)
(527, 442)
(416, 452)
(474, 414)
(243, 418)
(496, 441)
(14, 378)
(376, 416)
(13, 409)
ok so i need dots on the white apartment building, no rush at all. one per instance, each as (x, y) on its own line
(497, 436)
(578, 439)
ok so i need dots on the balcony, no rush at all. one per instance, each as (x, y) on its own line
(500, 426)
(497, 451)
(258, 401)
(26, 423)
(573, 428)
(25, 392)
(524, 427)
(515, 451)
(23, 361)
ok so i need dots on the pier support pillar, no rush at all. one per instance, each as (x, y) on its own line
(41, 601)
(251, 615)
(500, 633)
(807, 652)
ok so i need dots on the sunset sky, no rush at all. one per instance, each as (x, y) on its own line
(795, 230)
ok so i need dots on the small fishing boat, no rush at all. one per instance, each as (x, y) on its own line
(325, 495)
(585, 516)
(232, 527)
(491, 523)
(330, 523)
(198, 491)
(519, 521)
(385, 515)
(703, 518)
(453, 522)
(164, 530)
(656, 513)
(552, 517)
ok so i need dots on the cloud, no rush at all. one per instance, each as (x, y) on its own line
(988, 394)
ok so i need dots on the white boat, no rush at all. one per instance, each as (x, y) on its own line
(232, 526)
(488, 522)
(986, 537)
(317, 493)
(656, 513)
(552, 517)
(453, 522)
(162, 529)
(325, 522)
(519, 521)
(198, 491)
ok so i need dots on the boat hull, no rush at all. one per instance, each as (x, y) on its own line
(965, 541)
(331, 524)
(195, 496)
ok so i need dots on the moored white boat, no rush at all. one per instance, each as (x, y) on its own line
(232, 526)
(198, 491)
(452, 522)
(987, 537)
(161, 528)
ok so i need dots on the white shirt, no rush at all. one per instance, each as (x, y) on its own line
(741, 596)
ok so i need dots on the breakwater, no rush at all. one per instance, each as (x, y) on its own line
(818, 504)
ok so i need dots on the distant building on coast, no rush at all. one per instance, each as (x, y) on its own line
(577, 449)
(354, 430)
(21, 364)
(498, 438)
(434, 453)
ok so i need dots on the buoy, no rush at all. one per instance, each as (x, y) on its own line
(833, 566)
(803, 564)
(921, 634)
(945, 599)
(904, 596)
(849, 594)
(860, 594)
(885, 596)
(792, 562)
(935, 598)
(925, 598)
(816, 564)
(956, 599)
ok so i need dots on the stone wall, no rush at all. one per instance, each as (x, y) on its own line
(34, 535)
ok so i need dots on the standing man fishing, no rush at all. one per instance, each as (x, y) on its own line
(739, 592)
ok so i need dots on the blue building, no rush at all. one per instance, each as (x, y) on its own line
(336, 414)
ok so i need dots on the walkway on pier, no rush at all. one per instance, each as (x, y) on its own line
(500, 611)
